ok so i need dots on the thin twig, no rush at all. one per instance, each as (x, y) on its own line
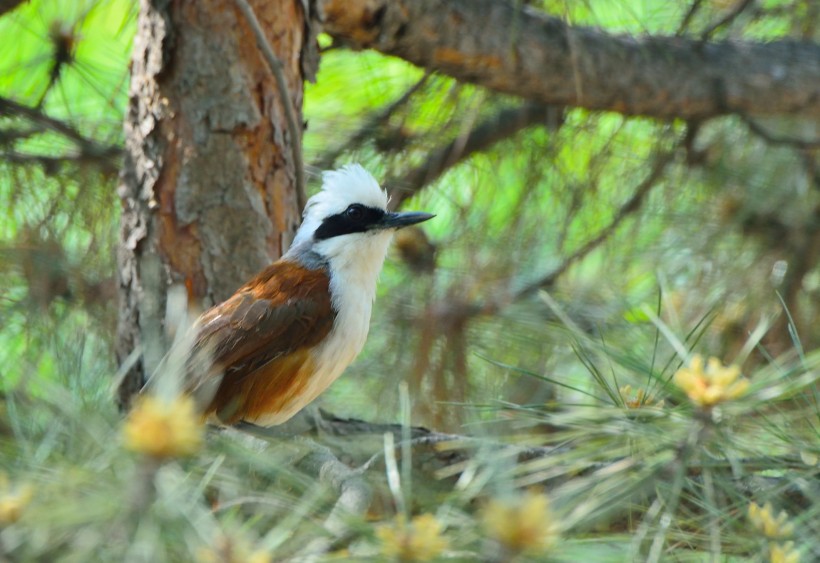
(51, 164)
(736, 10)
(690, 14)
(88, 149)
(276, 68)
(463, 311)
(631, 206)
(327, 159)
(500, 126)
(769, 137)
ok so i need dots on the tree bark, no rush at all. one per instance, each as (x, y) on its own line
(516, 50)
(208, 188)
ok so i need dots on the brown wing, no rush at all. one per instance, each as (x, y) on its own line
(259, 339)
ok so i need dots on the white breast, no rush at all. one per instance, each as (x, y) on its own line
(354, 271)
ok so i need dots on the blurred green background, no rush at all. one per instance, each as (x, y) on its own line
(717, 255)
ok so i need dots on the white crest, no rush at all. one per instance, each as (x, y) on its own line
(349, 184)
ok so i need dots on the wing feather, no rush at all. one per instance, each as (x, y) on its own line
(282, 313)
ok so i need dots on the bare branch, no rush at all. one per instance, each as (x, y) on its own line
(334, 430)
(496, 128)
(287, 102)
(518, 50)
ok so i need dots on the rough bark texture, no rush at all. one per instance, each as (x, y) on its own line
(515, 50)
(208, 185)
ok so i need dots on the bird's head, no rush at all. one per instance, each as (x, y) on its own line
(347, 222)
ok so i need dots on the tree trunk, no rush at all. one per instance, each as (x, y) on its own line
(208, 188)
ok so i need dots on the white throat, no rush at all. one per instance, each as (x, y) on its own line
(354, 270)
(354, 262)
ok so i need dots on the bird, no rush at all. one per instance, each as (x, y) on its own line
(283, 337)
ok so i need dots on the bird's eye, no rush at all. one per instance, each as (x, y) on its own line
(355, 212)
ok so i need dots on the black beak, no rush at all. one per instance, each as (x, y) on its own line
(399, 220)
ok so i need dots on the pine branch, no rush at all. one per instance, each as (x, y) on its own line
(517, 50)
(88, 151)
(499, 127)
(378, 118)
